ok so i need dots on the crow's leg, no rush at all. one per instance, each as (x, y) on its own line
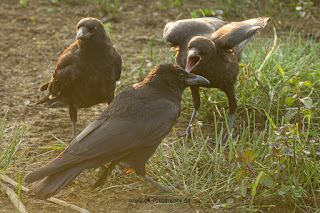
(73, 116)
(196, 105)
(230, 124)
(232, 111)
(105, 174)
(73, 129)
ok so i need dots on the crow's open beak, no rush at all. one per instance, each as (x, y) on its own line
(193, 59)
(83, 33)
(196, 80)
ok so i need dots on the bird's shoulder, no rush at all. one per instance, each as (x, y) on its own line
(68, 60)
(139, 103)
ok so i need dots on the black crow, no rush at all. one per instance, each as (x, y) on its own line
(128, 131)
(179, 33)
(212, 48)
(87, 70)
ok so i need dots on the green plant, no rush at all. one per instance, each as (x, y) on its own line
(141, 73)
(247, 158)
(275, 8)
(10, 141)
(107, 28)
(176, 3)
(60, 146)
(294, 96)
(22, 3)
(110, 6)
(206, 13)
(302, 7)
(151, 48)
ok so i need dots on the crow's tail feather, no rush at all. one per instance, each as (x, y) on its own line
(44, 100)
(52, 184)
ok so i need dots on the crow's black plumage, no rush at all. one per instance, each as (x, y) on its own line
(128, 131)
(179, 33)
(212, 48)
(87, 70)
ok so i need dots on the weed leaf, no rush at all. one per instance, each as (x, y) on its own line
(248, 157)
(289, 101)
(280, 68)
(243, 188)
(266, 180)
(240, 173)
(305, 83)
(307, 102)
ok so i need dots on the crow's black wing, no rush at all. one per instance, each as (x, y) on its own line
(112, 136)
(180, 32)
(238, 33)
(66, 71)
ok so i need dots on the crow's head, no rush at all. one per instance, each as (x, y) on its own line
(169, 75)
(89, 28)
(199, 49)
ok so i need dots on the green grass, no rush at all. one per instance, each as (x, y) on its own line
(111, 7)
(207, 172)
(10, 141)
(285, 169)
(22, 3)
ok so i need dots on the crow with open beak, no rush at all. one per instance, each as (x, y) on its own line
(214, 56)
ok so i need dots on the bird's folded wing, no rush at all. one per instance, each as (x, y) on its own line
(105, 139)
(66, 71)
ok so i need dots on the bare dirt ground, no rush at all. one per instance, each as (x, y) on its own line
(31, 41)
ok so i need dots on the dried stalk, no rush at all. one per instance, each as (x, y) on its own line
(14, 198)
(52, 200)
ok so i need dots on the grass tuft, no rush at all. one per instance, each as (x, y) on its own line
(271, 163)
(10, 141)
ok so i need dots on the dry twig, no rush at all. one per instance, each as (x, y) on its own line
(53, 200)
(14, 198)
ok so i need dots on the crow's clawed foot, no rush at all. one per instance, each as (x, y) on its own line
(165, 189)
(161, 187)
(187, 133)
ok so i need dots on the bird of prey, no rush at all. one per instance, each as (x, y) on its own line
(212, 48)
(127, 132)
(86, 72)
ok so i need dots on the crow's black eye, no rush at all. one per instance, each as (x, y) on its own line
(181, 76)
